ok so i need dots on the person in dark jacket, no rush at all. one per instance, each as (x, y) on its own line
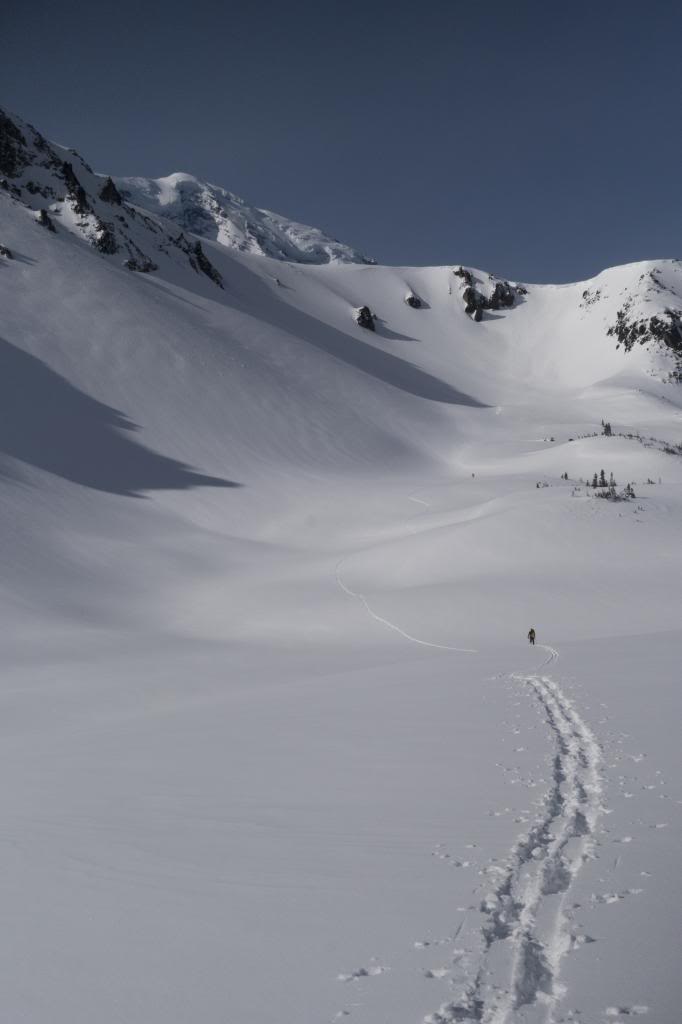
(531, 636)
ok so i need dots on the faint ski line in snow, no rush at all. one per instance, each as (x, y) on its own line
(391, 625)
(523, 915)
(552, 654)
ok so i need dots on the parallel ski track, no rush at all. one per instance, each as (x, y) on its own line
(512, 971)
(524, 932)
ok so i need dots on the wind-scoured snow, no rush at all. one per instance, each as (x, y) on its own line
(275, 746)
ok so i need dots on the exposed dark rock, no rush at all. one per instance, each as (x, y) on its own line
(364, 317)
(474, 302)
(664, 329)
(13, 156)
(110, 194)
(590, 297)
(413, 300)
(45, 220)
(4, 251)
(105, 239)
(86, 165)
(142, 266)
(502, 296)
(75, 190)
(7, 186)
(201, 262)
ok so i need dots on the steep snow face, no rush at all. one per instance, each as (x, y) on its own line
(212, 212)
(65, 194)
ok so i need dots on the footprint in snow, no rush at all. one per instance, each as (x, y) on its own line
(614, 897)
(363, 972)
(580, 940)
(453, 861)
(425, 943)
(436, 972)
(626, 1011)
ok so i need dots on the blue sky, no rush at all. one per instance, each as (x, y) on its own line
(540, 141)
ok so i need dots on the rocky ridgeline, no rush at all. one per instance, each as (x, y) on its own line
(66, 194)
(502, 295)
(648, 312)
(662, 329)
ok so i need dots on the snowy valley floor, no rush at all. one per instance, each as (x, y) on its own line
(274, 748)
(348, 817)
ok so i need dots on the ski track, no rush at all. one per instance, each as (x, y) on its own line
(386, 622)
(391, 625)
(511, 971)
(513, 967)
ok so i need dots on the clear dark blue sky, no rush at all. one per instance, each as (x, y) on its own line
(539, 140)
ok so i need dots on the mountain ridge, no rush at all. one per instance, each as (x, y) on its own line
(178, 223)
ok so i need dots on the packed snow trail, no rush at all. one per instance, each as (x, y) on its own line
(516, 954)
(386, 622)
(391, 625)
(552, 655)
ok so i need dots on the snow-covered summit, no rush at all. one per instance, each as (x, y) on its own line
(147, 223)
(67, 195)
(212, 212)
(191, 233)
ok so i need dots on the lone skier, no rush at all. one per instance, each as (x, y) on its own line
(531, 636)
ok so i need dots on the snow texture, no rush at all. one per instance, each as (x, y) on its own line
(275, 746)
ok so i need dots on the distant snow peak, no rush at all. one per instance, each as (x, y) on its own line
(66, 194)
(147, 223)
(216, 214)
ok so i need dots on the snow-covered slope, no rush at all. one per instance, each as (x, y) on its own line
(212, 212)
(274, 744)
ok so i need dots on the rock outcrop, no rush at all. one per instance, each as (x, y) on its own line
(663, 329)
(61, 188)
(364, 317)
(200, 262)
(45, 220)
(140, 266)
(502, 296)
(110, 194)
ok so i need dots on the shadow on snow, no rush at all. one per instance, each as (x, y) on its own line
(47, 422)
